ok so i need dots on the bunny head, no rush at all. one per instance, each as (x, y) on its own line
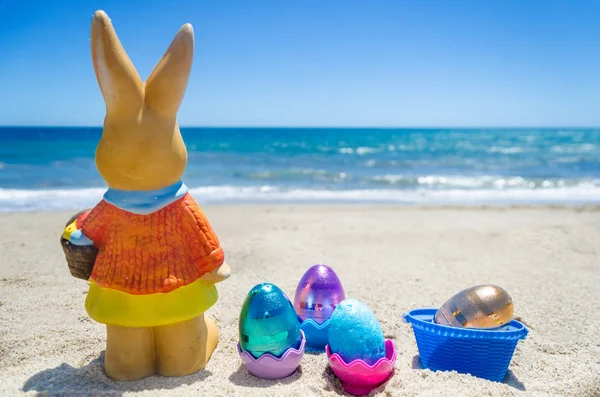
(141, 146)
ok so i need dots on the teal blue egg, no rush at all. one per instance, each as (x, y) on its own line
(268, 322)
(355, 333)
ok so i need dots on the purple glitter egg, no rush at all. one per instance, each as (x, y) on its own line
(318, 293)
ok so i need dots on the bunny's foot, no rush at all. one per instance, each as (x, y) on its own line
(185, 348)
(129, 353)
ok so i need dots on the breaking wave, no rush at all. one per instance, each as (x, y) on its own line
(75, 199)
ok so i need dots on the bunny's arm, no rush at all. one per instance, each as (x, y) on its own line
(219, 274)
(89, 227)
(73, 232)
(205, 240)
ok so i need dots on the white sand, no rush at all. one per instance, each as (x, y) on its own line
(393, 259)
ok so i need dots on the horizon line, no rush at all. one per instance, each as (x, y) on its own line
(326, 127)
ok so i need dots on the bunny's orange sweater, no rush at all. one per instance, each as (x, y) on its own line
(149, 267)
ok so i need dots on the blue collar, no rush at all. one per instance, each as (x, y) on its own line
(144, 202)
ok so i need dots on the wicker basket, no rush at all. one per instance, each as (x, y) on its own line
(80, 258)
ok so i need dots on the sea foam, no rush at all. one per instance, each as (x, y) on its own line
(76, 199)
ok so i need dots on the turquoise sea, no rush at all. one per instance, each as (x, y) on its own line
(53, 167)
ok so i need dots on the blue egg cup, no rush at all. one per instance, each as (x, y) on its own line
(316, 335)
(485, 353)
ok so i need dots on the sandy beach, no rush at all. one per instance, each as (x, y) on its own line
(392, 258)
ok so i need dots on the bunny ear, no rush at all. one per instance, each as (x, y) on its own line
(166, 84)
(121, 86)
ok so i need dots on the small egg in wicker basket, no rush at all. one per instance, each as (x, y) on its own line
(80, 258)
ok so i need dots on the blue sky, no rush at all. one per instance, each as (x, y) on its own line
(318, 63)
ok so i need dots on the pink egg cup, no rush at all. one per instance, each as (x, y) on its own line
(358, 377)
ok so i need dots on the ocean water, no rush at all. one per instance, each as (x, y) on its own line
(53, 168)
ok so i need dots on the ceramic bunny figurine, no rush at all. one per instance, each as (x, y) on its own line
(155, 256)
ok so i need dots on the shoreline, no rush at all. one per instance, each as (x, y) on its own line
(330, 206)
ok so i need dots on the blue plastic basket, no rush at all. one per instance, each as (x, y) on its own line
(479, 352)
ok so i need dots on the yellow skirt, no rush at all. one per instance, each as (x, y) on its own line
(109, 306)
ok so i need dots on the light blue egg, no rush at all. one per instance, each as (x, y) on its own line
(355, 333)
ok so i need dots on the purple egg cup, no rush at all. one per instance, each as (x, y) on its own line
(270, 367)
(358, 377)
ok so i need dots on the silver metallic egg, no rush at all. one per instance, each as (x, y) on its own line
(482, 306)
